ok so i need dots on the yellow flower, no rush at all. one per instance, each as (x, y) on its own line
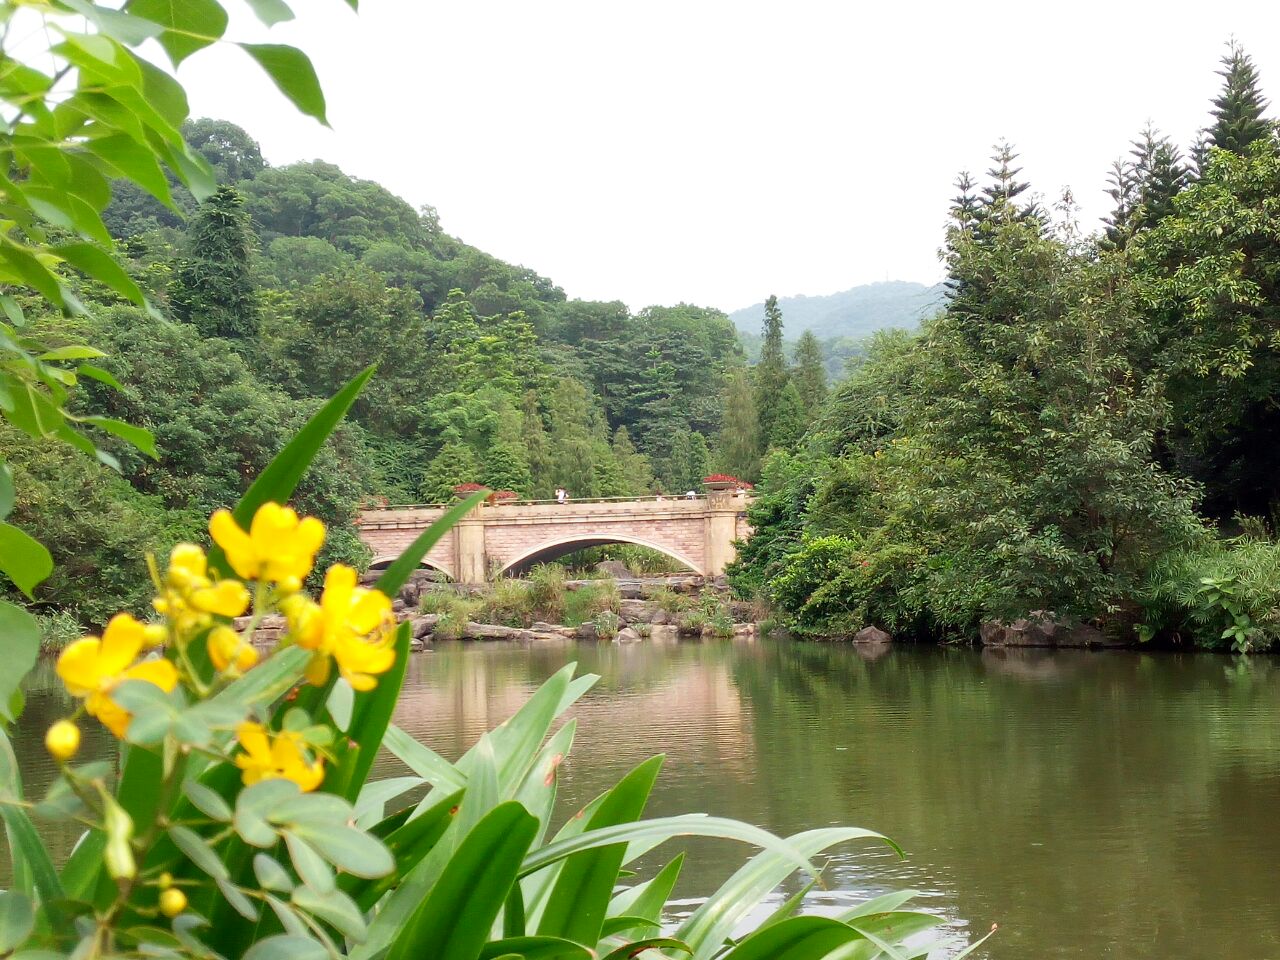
(350, 624)
(62, 740)
(92, 667)
(189, 599)
(227, 649)
(279, 546)
(275, 756)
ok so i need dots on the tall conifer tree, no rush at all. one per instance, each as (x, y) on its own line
(739, 447)
(809, 376)
(1238, 109)
(212, 287)
(771, 371)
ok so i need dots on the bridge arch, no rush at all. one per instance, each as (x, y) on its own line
(384, 561)
(560, 547)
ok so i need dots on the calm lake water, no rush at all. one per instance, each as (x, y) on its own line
(1094, 805)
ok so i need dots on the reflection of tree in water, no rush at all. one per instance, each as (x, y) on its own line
(1083, 799)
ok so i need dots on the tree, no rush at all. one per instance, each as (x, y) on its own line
(999, 200)
(213, 288)
(453, 465)
(1238, 109)
(790, 419)
(686, 464)
(809, 375)
(231, 152)
(738, 449)
(538, 448)
(633, 465)
(771, 371)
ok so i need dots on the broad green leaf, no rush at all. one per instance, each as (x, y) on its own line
(71, 353)
(239, 902)
(409, 843)
(7, 492)
(277, 482)
(20, 646)
(311, 867)
(17, 920)
(97, 373)
(374, 796)
(423, 761)
(577, 904)
(287, 947)
(637, 947)
(255, 806)
(270, 875)
(207, 801)
(536, 948)
(98, 264)
(397, 574)
(291, 71)
(800, 938)
(454, 920)
(341, 702)
(190, 25)
(705, 931)
(349, 849)
(666, 828)
(134, 436)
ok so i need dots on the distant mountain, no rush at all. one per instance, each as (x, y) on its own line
(854, 314)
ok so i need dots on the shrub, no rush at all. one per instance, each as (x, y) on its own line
(1224, 594)
(607, 624)
(507, 602)
(546, 591)
(585, 603)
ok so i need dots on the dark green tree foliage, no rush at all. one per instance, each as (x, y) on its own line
(738, 451)
(686, 464)
(233, 154)
(212, 287)
(1143, 189)
(453, 465)
(1238, 120)
(1221, 351)
(790, 418)
(809, 375)
(634, 466)
(771, 372)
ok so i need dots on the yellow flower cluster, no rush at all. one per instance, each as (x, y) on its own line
(350, 626)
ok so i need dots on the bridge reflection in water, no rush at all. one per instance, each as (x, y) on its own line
(508, 537)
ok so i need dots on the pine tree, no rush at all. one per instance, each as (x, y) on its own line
(999, 198)
(537, 448)
(1238, 109)
(212, 287)
(1123, 190)
(809, 375)
(771, 371)
(1144, 188)
(738, 450)
(790, 420)
(572, 444)
(505, 466)
(454, 464)
(634, 465)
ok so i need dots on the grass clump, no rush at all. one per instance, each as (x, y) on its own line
(454, 612)
(546, 591)
(586, 603)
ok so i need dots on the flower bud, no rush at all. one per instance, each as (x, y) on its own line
(172, 902)
(63, 740)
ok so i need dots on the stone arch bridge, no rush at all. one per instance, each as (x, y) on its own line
(509, 537)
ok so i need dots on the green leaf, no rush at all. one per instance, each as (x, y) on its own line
(118, 854)
(578, 902)
(270, 875)
(705, 931)
(334, 908)
(800, 938)
(254, 806)
(286, 946)
(97, 373)
(341, 702)
(71, 353)
(646, 900)
(207, 801)
(199, 852)
(17, 920)
(271, 12)
(190, 25)
(454, 920)
(422, 760)
(278, 481)
(135, 436)
(19, 647)
(97, 263)
(370, 715)
(291, 71)
(312, 869)
(536, 948)
(7, 492)
(627, 951)
(23, 559)
(349, 849)
(397, 574)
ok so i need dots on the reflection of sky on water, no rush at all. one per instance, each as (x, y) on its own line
(1092, 804)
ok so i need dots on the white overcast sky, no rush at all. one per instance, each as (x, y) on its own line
(714, 152)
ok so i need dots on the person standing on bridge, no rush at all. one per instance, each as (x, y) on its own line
(561, 495)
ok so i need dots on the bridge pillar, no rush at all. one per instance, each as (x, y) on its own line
(469, 549)
(720, 530)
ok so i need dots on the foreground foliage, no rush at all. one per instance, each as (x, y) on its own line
(243, 822)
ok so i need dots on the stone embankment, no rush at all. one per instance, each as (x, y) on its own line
(638, 619)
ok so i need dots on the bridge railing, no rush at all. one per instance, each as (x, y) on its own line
(529, 503)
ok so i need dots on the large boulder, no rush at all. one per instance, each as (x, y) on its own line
(492, 631)
(627, 635)
(872, 635)
(587, 631)
(639, 611)
(1042, 629)
(424, 625)
(616, 569)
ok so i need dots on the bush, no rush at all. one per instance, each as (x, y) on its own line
(454, 612)
(1225, 594)
(587, 602)
(546, 591)
(607, 624)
